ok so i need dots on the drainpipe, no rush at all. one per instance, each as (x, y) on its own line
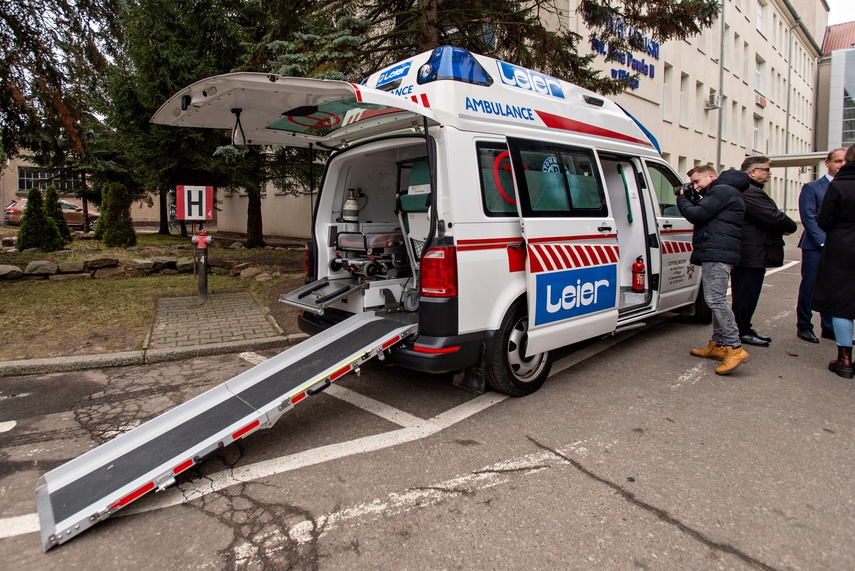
(789, 97)
(720, 93)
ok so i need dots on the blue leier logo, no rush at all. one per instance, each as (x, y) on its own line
(393, 73)
(523, 78)
(571, 293)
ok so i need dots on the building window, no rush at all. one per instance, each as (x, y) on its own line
(757, 133)
(759, 71)
(848, 135)
(761, 7)
(31, 177)
(685, 94)
(668, 93)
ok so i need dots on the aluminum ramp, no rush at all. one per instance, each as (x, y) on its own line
(90, 488)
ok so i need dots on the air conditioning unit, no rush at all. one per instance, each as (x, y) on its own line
(713, 102)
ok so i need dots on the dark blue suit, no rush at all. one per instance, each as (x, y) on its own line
(811, 241)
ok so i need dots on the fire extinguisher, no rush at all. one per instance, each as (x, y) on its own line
(638, 274)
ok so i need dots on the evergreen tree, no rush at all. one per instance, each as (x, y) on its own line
(118, 231)
(54, 211)
(170, 44)
(37, 229)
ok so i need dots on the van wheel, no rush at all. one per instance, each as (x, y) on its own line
(509, 371)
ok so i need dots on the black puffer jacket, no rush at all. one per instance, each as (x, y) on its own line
(717, 218)
(763, 231)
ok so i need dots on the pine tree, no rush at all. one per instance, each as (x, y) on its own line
(54, 210)
(118, 230)
(37, 229)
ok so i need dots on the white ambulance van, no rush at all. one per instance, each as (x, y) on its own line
(505, 212)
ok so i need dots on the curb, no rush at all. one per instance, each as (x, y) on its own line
(144, 357)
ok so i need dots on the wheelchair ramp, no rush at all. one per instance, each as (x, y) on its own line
(90, 488)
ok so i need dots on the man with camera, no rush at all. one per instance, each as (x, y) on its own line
(717, 212)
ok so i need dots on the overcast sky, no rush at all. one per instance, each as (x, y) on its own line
(841, 11)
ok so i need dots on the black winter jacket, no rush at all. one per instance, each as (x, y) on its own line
(763, 231)
(717, 218)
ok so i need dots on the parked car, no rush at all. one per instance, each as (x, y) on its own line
(73, 213)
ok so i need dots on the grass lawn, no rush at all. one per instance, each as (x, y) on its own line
(78, 317)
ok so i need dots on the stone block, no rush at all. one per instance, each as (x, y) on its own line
(110, 272)
(67, 277)
(101, 262)
(10, 272)
(40, 268)
(71, 267)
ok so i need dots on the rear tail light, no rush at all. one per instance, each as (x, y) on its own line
(439, 272)
(307, 260)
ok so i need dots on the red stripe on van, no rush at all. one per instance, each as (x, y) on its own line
(558, 122)
(358, 92)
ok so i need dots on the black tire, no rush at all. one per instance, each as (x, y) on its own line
(508, 370)
(92, 223)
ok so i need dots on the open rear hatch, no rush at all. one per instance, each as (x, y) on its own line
(267, 109)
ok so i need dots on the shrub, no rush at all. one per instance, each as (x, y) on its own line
(115, 224)
(37, 229)
(54, 211)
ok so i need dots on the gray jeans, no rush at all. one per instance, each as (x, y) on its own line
(714, 277)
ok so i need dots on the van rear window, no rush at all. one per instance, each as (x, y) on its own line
(497, 182)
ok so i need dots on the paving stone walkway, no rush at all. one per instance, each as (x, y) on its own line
(224, 317)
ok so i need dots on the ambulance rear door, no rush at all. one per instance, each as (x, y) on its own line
(267, 109)
(570, 240)
(679, 279)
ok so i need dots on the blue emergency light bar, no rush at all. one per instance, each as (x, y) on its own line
(456, 64)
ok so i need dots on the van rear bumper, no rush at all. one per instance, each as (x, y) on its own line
(424, 353)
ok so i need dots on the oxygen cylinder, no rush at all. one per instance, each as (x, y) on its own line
(350, 211)
(638, 272)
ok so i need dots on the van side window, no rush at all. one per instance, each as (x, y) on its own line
(664, 180)
(557, 181)
(497, 183)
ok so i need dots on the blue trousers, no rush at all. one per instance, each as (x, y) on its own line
(810, 267)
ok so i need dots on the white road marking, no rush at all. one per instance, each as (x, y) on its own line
(375, 407)
(19, 525)
(7, 426)
(782, 268)
(689, 377)
(408, 500)
(252, 357)
(413, 429)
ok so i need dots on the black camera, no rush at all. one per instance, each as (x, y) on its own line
(688, 189)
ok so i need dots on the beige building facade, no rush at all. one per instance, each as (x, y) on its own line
(747, 89)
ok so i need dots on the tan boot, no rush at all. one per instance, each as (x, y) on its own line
(712, 351)
(732, 359)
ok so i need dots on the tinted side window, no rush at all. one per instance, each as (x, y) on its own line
(664, 180)
(497, 183)
(557, 181)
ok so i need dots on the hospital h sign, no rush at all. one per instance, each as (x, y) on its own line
(194, 202)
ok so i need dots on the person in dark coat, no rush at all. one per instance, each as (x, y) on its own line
(762, 247)
(717, 218)
(810, 243)
(834, 292)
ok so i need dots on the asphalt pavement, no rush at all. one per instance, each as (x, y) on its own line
(183, 327)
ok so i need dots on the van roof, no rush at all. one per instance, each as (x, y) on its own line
(447, 86)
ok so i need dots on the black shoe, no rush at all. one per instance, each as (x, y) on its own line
(828, 335)
(758, 336)
(749, 339)
(807, 335)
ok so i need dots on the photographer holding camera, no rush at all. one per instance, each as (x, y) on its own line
(717, 213)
